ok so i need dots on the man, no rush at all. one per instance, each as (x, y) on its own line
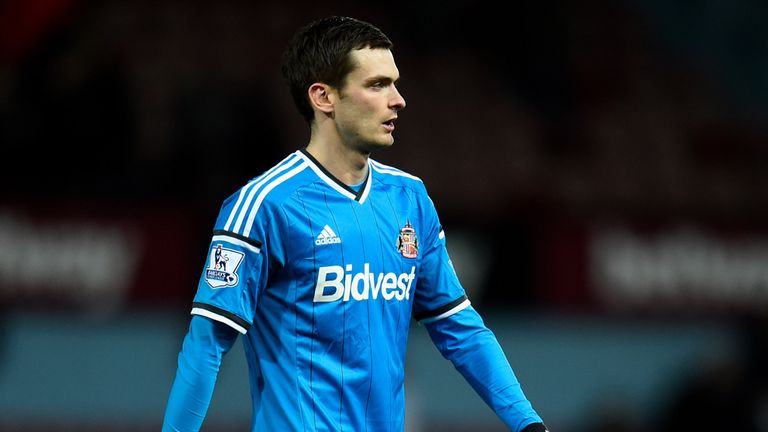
(331, 253)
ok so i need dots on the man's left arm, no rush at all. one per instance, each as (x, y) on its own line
(473, 349)
(440, 303)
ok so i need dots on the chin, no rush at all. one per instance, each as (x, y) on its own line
(383, 145)
(372, 146)
(388, 140)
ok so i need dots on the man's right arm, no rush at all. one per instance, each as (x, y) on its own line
(204, 346)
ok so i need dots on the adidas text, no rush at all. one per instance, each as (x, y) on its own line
(327, 240)
(327, 236)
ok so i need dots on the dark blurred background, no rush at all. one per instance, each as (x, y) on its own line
(600, 168)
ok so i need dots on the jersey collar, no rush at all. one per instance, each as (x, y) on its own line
(359, 196)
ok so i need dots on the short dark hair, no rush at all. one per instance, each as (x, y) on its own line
(319, 52)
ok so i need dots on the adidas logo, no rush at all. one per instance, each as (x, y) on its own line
(327, 236)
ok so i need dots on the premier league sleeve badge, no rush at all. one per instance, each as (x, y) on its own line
(222, 267)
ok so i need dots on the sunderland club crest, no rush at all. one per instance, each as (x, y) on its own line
(407, 243)
(222, 267)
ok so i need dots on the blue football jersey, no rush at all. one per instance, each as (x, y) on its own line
(323, 280)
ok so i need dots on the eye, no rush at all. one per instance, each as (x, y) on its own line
(379, 83)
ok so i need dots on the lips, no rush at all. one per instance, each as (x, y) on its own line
(389, 125)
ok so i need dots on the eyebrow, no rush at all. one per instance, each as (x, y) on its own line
(381, 78)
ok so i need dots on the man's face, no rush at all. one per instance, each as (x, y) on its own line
(367, 105)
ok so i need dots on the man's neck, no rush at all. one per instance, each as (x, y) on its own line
(347, 165)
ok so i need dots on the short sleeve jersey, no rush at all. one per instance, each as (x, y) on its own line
(323, 280)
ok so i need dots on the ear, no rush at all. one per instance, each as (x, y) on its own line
(320, 97)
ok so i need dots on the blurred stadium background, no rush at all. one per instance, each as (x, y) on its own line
(601, 169)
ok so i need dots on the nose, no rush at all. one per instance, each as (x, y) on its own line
(398, 102)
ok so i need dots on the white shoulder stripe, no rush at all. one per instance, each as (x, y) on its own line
(287, 161)
(244, 210)
(219, 318)
(237, 205)
(383, 166)
(265, 191)
(460, 307)
(384, 169)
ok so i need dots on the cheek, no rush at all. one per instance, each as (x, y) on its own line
(364, 101)
(360, 113)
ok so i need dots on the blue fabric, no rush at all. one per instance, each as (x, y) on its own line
(198, 366)
(323, 280)
(473, 349)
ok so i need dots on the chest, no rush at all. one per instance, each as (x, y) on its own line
(380, 236)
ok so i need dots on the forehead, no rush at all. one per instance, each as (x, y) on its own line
(374, 62)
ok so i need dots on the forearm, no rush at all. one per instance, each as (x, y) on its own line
(198, 365)
(474, 351)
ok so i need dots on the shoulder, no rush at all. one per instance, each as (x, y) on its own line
(393, 176)
(273, 184)
(268, 190)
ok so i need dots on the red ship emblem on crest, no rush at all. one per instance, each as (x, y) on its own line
(407, 243)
